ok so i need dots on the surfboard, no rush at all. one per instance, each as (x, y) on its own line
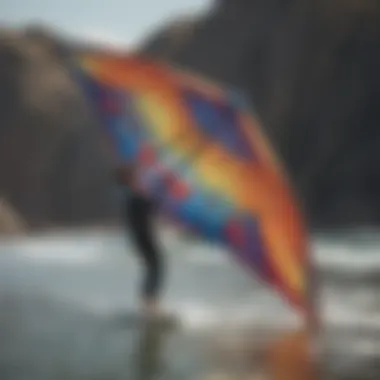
(201, 155)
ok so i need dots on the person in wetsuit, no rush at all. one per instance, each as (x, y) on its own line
(138, 213)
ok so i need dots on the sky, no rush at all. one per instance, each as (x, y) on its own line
(119, 22)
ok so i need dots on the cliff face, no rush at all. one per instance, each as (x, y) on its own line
(51, 167)
(311, 70)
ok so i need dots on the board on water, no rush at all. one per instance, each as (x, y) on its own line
(201, 156)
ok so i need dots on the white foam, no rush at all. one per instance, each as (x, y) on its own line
(347, 258)
(59, 250)
(197, 316)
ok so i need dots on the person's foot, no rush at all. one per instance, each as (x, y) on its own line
(153, 312)
(150, 307)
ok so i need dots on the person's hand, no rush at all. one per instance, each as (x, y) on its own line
(124, 174)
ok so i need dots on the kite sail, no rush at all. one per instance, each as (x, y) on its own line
(202, 157)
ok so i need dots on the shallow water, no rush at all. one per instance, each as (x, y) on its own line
(66, 298)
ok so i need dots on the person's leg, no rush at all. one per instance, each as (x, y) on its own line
(138, 215)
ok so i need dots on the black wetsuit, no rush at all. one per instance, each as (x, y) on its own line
(138, 213)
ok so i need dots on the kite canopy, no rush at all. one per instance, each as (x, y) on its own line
(202, 157)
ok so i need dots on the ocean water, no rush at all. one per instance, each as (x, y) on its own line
(67, 298)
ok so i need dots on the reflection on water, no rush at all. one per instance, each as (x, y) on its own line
(66, 299)
(147, 363)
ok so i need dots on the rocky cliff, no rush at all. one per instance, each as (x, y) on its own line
(310, 68)
(51, 167)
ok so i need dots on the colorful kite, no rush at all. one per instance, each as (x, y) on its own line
(202, 157)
